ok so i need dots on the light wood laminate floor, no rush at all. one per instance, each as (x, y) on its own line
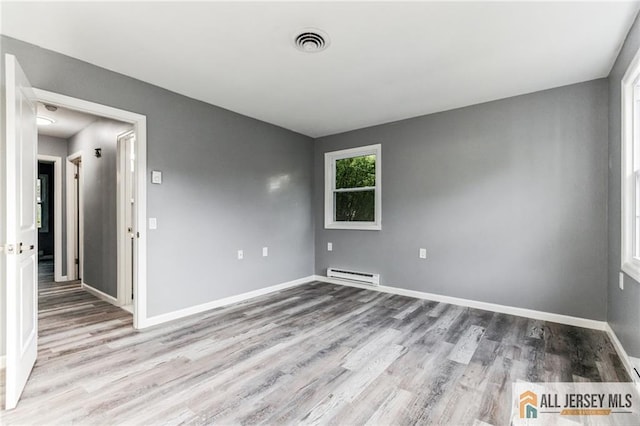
(316, 353)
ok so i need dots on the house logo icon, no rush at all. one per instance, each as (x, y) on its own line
(528, 405)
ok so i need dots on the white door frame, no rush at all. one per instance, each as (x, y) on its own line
(125, 267)
(57, 214)
(75, 217)
(140, 128)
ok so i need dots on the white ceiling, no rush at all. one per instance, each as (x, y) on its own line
(386, 61)
(66, 122)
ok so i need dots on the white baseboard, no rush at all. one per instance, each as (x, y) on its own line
(99, 294)
(627, 361)
(3, 361)
(494, 307)
(159, 319)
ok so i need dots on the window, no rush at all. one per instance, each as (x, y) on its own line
(353, 188)
(630, 168)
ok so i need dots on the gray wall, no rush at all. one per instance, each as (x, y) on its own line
(508, 198)
(100, 261)
(229, 182)
(623, 313)
(57, 147)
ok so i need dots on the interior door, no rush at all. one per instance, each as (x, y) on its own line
(21, 246)
(130, 212)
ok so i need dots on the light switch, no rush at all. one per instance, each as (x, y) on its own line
(156, 177)
(265, 251)
(329, 246)
(240, 254)
(423, 253)
(153, 223)
(621, 281)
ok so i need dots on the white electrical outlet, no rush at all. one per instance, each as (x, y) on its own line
(621, 282)
(329, 246)
(153, 223)
(423, 253)
(240, 254)
(265, 251)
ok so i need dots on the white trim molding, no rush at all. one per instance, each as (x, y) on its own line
(630, 168)
(124, 194)
(3, 361)
(57, 213)
(630, 364)
(181, 313)
(494, 307)
(75, 224)
(100, 294)
(330, 190)
(139, 123)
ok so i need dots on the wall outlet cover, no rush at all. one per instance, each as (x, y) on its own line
(265, 251)
(156, 177)
(240, 254)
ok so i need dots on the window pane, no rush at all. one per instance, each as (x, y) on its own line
(356, 206)
(356, 172)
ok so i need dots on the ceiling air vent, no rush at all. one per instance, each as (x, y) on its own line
(311, 40)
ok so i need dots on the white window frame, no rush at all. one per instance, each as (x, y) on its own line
(630, 169)
(330, 159)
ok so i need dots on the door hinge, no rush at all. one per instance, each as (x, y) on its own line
(77, 262)
(75, 176)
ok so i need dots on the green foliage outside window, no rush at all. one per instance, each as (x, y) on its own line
(355, 172)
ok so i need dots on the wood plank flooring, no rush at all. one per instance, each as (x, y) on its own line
(314, 354)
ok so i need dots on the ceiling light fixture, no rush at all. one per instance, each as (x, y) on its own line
(44, 121)
(311, 40)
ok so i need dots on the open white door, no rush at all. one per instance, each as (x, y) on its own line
(21, 277)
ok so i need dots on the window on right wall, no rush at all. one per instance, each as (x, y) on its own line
(353, 188)
(630, 168)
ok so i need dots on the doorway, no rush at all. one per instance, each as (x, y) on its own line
(130, 190)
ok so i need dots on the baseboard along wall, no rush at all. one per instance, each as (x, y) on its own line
(632, 365)
(100, 295)
(493, 307)
(181, 313)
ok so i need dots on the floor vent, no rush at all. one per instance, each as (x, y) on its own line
(361, 277)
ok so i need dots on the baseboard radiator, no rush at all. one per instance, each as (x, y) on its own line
(361, 277)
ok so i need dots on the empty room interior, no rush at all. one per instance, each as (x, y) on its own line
(320, 213)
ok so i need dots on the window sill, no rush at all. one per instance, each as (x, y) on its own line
(632, 269)
(354, 226)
